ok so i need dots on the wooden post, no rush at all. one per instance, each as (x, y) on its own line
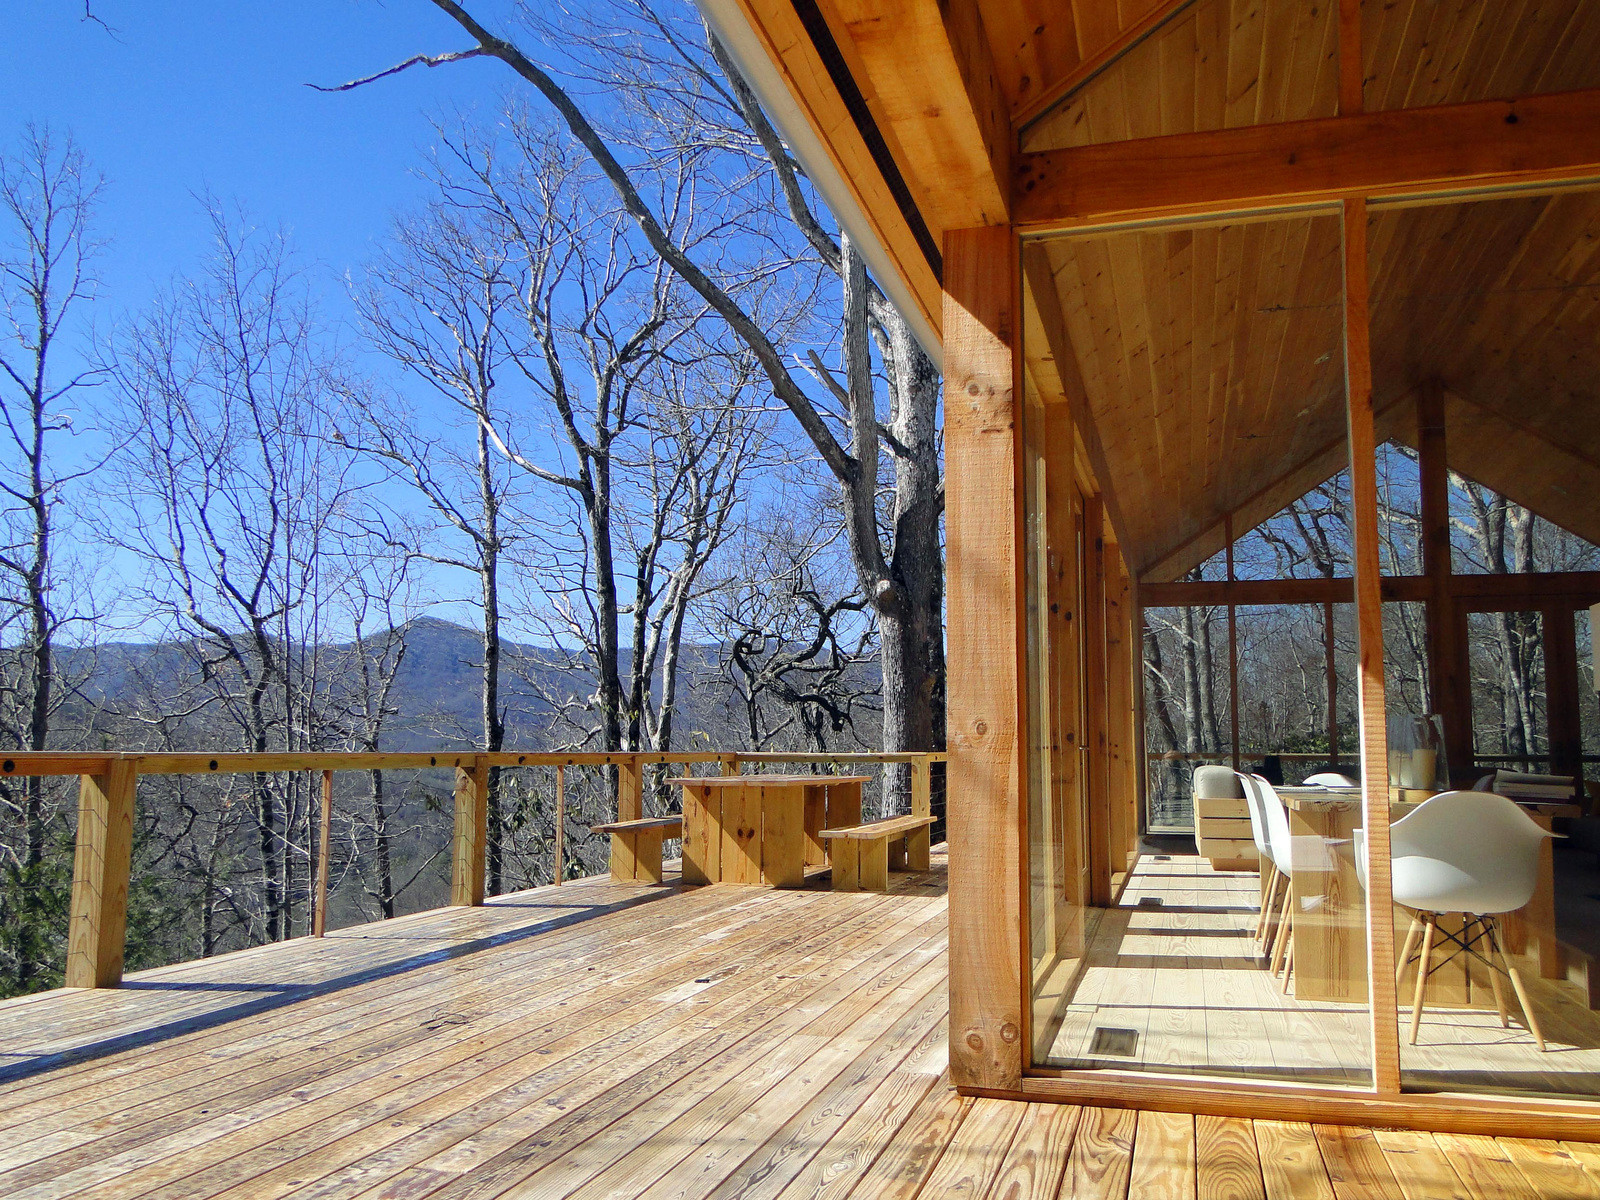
(1121, 827)
(319, 919)
(1449, 678)
(730, 765)
(102, 862)
(630, 790)
(471, 834)
(983, 519)
(1095, 734)
(1561, 690)
(1331, 667)
(1233, 650)
(919, 844)
(561, 825)
(1369, 644)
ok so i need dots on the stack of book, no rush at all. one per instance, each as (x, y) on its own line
(1524, 785)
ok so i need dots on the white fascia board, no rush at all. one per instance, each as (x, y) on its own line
(728, 23)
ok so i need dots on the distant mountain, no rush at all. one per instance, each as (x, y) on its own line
(438, 688)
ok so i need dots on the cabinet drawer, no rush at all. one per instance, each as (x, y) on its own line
(1224, 827)
(1221, 806)
(1227, 849)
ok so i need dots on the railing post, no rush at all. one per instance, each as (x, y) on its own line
(561, 825)
(730, 764)
(319, 919)
(102, 861)
(919, 845)
(630, 790)
(471, 834)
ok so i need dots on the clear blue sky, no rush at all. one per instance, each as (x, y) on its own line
(190, 95)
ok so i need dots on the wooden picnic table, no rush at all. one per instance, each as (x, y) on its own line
(754, 829)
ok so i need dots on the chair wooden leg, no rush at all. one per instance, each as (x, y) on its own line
(1288, 967)
(1424, 965)
(1494, 975)
(1516, 983)
(1280, 944)
(1269, 887)
(1405, 955)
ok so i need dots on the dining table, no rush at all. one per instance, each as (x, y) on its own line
(763, 829)
(1329, 932)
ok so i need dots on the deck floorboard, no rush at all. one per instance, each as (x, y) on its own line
(615, 1040)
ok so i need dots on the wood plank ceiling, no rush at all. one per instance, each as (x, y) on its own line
(1210, 358)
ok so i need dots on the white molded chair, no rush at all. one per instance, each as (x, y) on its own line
(1330, 779)
(1269, 825)
(1473, 853)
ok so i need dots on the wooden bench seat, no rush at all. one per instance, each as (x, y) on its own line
(636, 846)
(863, 855)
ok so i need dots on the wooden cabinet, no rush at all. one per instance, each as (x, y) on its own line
(1222, 832)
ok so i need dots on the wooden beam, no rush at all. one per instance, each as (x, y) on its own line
(1405, 152)
(1565, 726)
(1096, 736)
(1449, 677)
(1233, 653)
(1384, 1027)
(983, 521)
(929, 74)
(1122, 786)
(102, 863)
(1330, 668)
(469, 846)
(1485, 593)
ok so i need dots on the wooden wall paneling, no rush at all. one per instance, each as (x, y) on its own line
(470, 843)
(1384, 1027)
(982, 323)
(102, 863)
(1096, 734)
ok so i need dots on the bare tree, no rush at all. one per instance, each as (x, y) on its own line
(794, 646)
(441, 301)
(903, 583)
(224, 495)
(48, 196)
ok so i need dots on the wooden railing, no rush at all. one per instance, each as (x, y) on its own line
(103, 855)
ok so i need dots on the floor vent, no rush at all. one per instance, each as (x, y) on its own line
(1163, 858)
(1149, 901)
(1121, 1043)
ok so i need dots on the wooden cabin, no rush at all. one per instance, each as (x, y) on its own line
(1185, 260)
(1182, 260)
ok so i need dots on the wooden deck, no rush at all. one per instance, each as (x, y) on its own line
(606, 1040)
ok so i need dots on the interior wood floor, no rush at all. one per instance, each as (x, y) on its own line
(1185, 978)
(606, 1040)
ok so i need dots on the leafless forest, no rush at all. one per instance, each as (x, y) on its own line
(613, 445)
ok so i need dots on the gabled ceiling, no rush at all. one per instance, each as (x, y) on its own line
(1211, 359)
